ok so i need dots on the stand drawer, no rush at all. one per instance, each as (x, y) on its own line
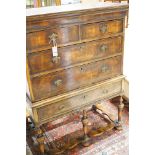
(98, 92)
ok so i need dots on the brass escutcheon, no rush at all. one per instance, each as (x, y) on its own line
(103, 48)
(103, 28)
(105, 68)
(105, 91)
(61, 107)
(58, 82)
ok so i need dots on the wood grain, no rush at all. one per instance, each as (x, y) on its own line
(71, 55)
(76, 102)
(73, 78)
(90, 42)
(95, 30)
(41, 38)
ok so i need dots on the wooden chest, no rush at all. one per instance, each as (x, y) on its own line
(89, 65)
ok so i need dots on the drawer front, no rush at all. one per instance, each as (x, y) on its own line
(97, 30)
(76, 77)
(76, 102)
(40, 40)
(42, 61)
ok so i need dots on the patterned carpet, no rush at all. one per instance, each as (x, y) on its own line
(110, 143)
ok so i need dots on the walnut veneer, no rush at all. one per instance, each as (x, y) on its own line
(87, 68)
(89, 65)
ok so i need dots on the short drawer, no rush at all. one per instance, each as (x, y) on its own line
(66, 80)
(40, 40)
(76, 102)
(97, 30)
(70, 55)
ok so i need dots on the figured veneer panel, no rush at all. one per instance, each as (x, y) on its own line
(66, 80)
(70, 55)
(90, 40)
(40, 39)
(75, 102)
(97, 30)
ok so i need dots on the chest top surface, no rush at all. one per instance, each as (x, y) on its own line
(73, 8)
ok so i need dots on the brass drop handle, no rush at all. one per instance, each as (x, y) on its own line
(105, 68)
(61, 107)
(58, 82)
(103, 48)
(103, 28)
(55, 59)
(52, 39)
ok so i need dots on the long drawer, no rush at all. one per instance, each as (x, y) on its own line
(70, 55)
(63, 81)
(72, 34)
(95, 93)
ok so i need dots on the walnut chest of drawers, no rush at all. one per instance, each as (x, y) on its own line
(89, 65)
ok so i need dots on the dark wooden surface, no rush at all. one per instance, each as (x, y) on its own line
(40, 39)
(70, 55)
(46, 85)
(95, 30)
(88, 67)
(90, 48)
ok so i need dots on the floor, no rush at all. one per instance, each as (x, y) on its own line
(110, 143)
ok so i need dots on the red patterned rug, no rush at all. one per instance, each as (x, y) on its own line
(110, 143)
